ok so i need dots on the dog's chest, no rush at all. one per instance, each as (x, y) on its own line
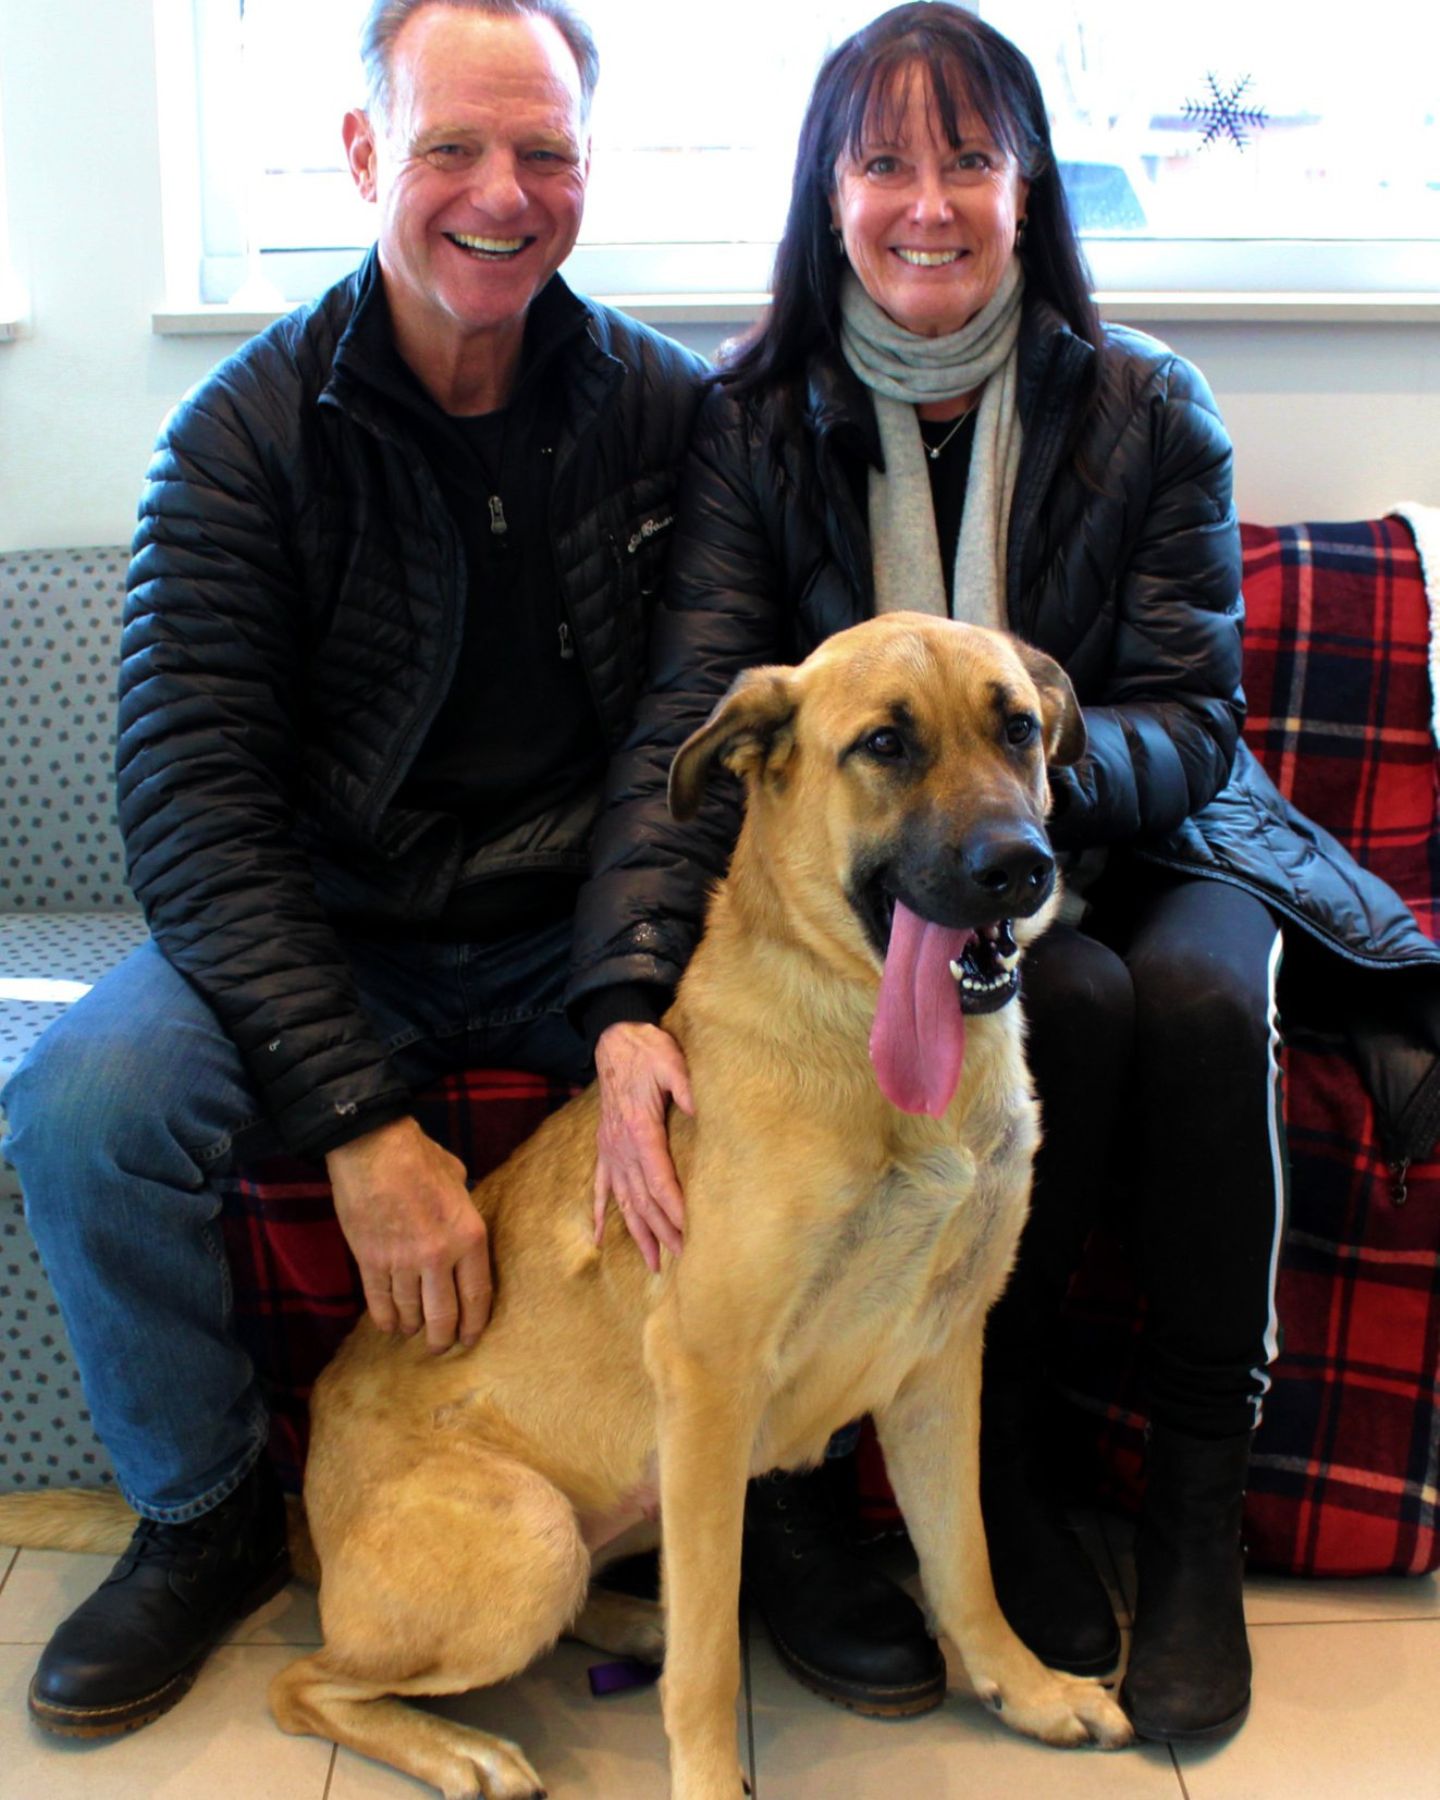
(922, 1228)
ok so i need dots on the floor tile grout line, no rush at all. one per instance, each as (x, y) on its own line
(1179, 1772)
(330, 1771)
(1387, 1619)
(14, 1558)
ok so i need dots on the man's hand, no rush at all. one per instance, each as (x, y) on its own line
(405, 1208)
(641, 1069)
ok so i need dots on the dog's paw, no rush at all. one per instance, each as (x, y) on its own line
(1065, 1710)
(622, 1625)
(481, 1767)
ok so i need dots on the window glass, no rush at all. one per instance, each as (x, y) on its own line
(1242, 143)
(1240, 119)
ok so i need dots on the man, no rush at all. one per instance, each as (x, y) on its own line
(386, 621)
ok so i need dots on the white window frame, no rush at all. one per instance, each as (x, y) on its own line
(14, 304)
(1151, 279)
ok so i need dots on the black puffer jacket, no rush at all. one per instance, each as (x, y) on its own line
(1127, 573)
(296, 604)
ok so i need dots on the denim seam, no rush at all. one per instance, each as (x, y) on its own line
(516, 1016)
(225, 1143)
(258, 1433)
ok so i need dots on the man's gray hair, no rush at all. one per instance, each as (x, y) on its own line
(385, 19)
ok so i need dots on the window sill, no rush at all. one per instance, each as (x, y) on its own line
(741, 308)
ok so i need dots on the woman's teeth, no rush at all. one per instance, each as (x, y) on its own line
(928, 259)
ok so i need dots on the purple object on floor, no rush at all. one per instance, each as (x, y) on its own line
(619, 1677)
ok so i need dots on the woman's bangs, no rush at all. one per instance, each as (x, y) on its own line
(876, 109)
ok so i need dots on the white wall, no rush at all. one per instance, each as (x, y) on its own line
(1329, 421)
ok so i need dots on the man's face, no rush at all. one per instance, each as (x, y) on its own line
(478, 171)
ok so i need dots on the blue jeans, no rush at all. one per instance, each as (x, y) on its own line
(125, 1113)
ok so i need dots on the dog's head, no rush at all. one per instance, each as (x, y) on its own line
(896, 781)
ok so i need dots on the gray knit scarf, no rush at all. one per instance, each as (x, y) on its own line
(902, 371)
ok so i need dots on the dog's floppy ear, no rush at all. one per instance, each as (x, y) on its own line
(1064, 721)
(747, 731)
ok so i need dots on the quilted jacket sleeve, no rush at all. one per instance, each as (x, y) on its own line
(640, 914)
(1164, 715)
(211, 661)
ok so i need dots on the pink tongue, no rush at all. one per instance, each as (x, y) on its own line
(917, 1042)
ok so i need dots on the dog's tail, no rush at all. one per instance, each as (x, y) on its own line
(98, 1520)
(66, 1519)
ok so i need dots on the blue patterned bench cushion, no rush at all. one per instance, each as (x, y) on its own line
(60, 626)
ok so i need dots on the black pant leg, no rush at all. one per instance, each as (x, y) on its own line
(1080, 1025)
(1206, 1127)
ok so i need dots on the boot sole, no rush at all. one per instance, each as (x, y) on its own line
(1199, 1734)
(872, 1702)
(129, 1715)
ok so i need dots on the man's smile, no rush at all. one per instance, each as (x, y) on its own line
(487, 246)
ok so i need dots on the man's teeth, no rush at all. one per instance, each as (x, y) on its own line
(927, 259)
(489, 246)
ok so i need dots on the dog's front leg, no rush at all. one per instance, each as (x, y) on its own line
(930, 1434)
(707, 1419)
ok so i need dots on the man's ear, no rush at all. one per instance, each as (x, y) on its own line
(358, 134)
(1060, 710)
(748, 732)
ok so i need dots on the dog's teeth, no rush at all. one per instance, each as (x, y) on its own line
(957, 971)
(1009, 963)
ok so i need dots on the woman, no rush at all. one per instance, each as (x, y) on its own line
(931, 416)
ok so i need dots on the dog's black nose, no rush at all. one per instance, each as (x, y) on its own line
(1012, 867)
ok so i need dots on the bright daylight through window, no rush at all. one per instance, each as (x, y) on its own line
(1235, 145)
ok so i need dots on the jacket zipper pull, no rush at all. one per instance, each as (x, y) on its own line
(498, 524)
(567, 644)
(1399, 1193)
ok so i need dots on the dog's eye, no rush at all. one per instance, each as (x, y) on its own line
(888, 745)
(1020, 728)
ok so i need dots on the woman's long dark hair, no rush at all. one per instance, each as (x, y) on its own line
(965, 61)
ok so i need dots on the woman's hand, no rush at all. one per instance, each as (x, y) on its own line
(404, 1206)
(641, 1070)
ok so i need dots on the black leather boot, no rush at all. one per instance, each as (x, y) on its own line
(1188, 1677)
(1047, 1586)
(130, 1651)
(841, 1628)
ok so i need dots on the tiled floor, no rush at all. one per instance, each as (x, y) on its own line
(1341, 1713)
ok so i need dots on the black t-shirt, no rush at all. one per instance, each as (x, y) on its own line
(949, 474)
(518, 731)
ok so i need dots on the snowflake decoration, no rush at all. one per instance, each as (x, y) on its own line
(1222, 114)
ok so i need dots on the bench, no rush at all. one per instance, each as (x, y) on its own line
(1338, 660)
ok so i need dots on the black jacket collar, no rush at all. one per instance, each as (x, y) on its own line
(366, 358)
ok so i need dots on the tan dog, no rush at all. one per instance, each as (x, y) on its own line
(850, 1219)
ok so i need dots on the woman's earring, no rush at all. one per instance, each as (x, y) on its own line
(1020, 225)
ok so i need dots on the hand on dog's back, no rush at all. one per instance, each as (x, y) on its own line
(641, 1070)
(404, 1205)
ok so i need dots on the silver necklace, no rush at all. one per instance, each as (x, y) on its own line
(933, 450)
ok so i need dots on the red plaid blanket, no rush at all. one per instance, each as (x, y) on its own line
(1344, 1474)
(297, 1290)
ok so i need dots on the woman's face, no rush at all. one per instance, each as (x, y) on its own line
(927, 228)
